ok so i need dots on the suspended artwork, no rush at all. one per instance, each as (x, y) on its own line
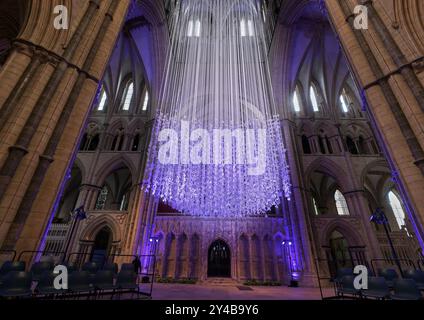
(216, 147)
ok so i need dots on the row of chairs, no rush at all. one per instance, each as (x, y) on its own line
(387, 285)
(39, 268)
(91, 280)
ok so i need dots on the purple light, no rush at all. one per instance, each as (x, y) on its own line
(218, 189)
(207, 172)
(295, 275)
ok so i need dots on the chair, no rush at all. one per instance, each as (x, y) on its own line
(406, 289)
(127, 280)
(70, 266)
(343, 272)
(90, 267)
(79, 282)
(104, 281)
(45, 285)
(111, 267)
(128, 267)
(377, 288)
(339, 276)
(347, 286)
(9, 266)
(39, 268)
(16, 284)
(390, 275)
(417, 276)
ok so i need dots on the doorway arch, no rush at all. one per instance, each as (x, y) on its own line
(338, 253)
(219, 260)
(340, 249)
(101, 246)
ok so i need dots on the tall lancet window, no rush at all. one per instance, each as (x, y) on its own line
(194, 28)
(250, 28)
(344, 102)
(146, 101)
(397, 208)
(316, 211)
(198, 28)
(296, 101)
(102, 198)
(341, 204)
(129, 93)
(103, 100)
(314, 98)
(190, 28)
(247, 28)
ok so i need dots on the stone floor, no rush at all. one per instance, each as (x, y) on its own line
(216, 292)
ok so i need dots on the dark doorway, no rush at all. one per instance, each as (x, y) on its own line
(219, 260)
(338, 254)
(101, 245)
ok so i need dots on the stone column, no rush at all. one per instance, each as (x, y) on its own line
(40, 124)
(253, 268)
(358, 203)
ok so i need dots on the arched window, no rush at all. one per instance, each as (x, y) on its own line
(94, 143)
(102, 198)
(344, 101)
(316, 211)
(146, 101)
(190, 28)
(123, 206)
(306, 146)
(89, 142)
(341, 204)
(351, 146)
(247, 28)
(397, 208)
(136, 143)
(198, 28)
(321, 142)
(103, 100)
(129, 93)
(296, 101)
(118, 140)
(362, 146)
(194, 28)
(250, 28)
(314, 98)
(243, 28)
(329, 146)
(116, 190)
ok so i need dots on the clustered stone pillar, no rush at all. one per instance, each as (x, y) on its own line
(49, 83)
